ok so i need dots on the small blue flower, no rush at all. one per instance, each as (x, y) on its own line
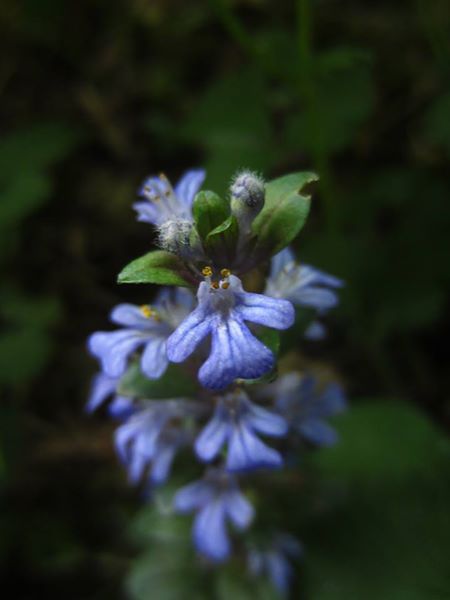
(142, 327)
(162, 202)
(274, 561)
(235, 422)
(216, 499)
(152, 436)
(104, 387)
(303, 285)
(305, 407)
(223, 307)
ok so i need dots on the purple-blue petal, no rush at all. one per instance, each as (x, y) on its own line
(213, 435)
(130, 315)
(317, 432)
(239, 509)
(265, 421)
(235, 353)
(188, 185)
(264, 310)
(162, 462)
(188, 335)
(113, 349)
(316, 297)
(192, 496)
(209, 531)
(154, 359)
(247, 451)
(102, 387)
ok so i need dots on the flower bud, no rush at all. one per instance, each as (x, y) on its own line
(173, 236)
(248, 188)
(247, 198)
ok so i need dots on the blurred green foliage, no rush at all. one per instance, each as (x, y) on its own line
(94, 96)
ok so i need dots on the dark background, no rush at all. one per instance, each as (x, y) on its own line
(96, 95)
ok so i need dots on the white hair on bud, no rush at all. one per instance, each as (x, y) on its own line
(248, 187)
(173, 235)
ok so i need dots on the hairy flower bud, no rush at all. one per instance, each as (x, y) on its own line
(248, 189)
(247, 199)
(173, 236)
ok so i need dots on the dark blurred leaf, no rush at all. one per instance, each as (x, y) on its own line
(232, 123)
(436, 126)
(386, 532)
(344, 98)
(174, 383)
(25, 345)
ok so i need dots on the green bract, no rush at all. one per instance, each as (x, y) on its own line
(158, 267)
(209, 210)
(284, 213)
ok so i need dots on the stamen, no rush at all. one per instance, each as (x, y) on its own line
(225, 285)
(215, 285)
(207, 271)
(149, 312)
(225, 272)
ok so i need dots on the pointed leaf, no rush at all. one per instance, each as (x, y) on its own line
(158, 267)
(284, 213)
(210, 210)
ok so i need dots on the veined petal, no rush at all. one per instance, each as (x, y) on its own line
(247, 451)
(213, 436)
(265, 421)
(113, 349)
(311, 276)
(188, 185)
(235, 352)
(121, 408)
(316, 297)
(281, 260)
(239, 509)
(264, 310)
(154, 359)
(130, 315)
(147, 212)
(318, 432)
(209, 532)
(102, 386)
(332, 401)
(279, 570)
(162, 461)
(189, 334)
(192, 496)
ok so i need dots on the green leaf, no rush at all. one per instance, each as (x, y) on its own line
(174, 383)
(381, 441)
(383, 529)
(284, 213)
(158, 267)
(221, 241)
(210, 210)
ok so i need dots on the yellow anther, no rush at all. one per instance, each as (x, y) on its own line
(147, 311)
(225, 272)
(215, 285)
(225, 285)
(207, 271)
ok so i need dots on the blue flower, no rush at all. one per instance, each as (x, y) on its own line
(305, 407)
(273, 561)
(235, 422)
(145, 327)
(104, 387)
(222, 308)
(161, 202)
(152, 436)
(216, 499)
(303, 285)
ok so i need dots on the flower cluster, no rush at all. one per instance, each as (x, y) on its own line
(235, 417)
